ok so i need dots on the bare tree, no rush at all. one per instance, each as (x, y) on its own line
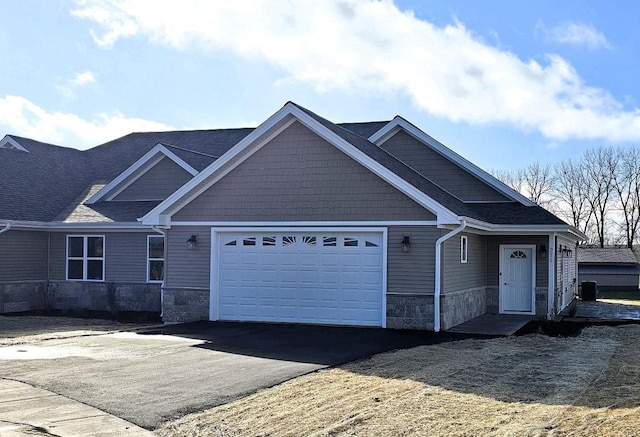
(570, 190)
(534, 181)
(626, 183)
(512, 178)
(538, 181)
(600, 166)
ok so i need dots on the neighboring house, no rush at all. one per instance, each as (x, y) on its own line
(612, 268)
(298, 220)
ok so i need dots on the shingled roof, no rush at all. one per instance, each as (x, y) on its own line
(606, 255)
(51, 183)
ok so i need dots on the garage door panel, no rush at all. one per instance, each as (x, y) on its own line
(301, 276)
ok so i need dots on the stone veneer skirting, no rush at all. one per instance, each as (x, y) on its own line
(459, 306)
(409, 311)
(185, 304)
(18, 297)
(79, 296)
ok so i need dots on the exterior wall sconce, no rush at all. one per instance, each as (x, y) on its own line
(191, 242)
(565, 251)
(406, 243)
(543, 251)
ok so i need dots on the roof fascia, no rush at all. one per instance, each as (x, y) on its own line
(153, 217)
(63, 226)
(398, 123)
(137, 170)
(13, 142)
(524, 229)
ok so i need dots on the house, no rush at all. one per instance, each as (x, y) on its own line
(612, 268)
(298, 220)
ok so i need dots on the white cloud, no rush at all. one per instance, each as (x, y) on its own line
(576, 34)
(21, 117)
(78, 80)
(374, 48)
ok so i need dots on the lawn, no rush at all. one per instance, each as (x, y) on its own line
(532, 385)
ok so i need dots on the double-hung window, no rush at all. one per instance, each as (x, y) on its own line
(155, 258)
(85, 257)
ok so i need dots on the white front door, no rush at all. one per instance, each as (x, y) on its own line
(517, 279)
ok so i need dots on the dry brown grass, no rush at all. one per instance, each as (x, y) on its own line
(532, 385)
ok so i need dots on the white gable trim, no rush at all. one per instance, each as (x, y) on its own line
(137, 170)
(399, 123)
(162, 213)
(12, 144)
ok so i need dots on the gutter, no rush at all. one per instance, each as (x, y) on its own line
(160, 231)
(7, 227)
(438, 281)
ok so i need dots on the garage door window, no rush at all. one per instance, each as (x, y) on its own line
(302, 240)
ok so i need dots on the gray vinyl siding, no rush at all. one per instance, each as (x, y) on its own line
(412, 272)
(409, 273)
(158, 183)
(23, 256)
(472, 274)
(610, 282)
(125, 255)
(439, 169)
(298, 176)
(493, 257)
(571, 245)
(568, 290)
(184, 267)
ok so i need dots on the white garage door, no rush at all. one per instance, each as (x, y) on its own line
(304, 277)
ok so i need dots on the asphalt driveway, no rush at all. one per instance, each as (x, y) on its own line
(156, 375)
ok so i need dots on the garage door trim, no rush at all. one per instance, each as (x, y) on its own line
(215, 257)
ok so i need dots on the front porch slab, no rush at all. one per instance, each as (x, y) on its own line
(502, 325)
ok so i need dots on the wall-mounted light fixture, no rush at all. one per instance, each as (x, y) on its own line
(543, 251)
(406, 243)
(191, 242)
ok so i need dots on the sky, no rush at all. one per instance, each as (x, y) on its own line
(503, 83)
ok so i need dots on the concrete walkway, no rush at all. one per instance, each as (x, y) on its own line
(27, 411)
(502, 325)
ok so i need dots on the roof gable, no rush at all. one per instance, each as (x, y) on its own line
(136, 170)
(9, 143)
(300, 177)
(399, 123)
(345, 140)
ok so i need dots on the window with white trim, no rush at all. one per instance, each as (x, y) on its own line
(85, 257)
(464, 247)
(155, 258)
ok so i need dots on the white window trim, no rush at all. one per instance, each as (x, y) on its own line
(464, 249)
(85, 258)
(149, 259)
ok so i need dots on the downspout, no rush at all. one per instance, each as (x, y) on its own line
(7, 226)
(438, 279)
(164, 270)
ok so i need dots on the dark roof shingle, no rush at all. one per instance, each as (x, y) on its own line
(52, 182)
